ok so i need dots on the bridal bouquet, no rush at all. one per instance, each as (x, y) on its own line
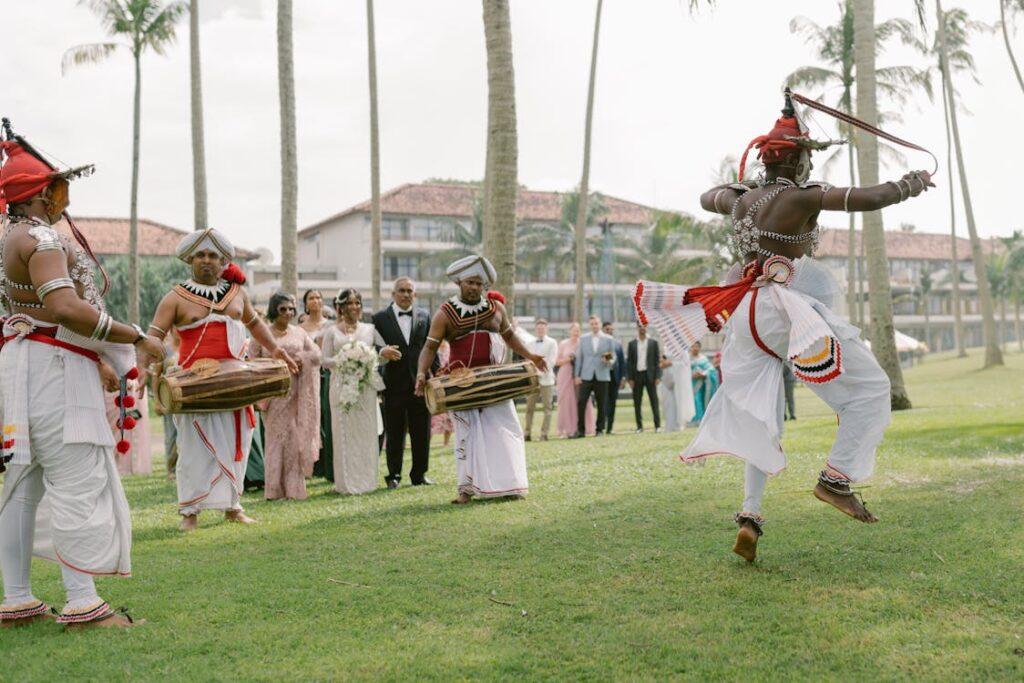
(356, 370)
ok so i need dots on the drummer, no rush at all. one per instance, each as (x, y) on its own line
(211, 312)
(490, 455)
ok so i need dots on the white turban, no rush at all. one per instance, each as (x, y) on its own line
(205, 240)
(472, 266)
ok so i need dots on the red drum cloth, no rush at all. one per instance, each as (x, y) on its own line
(471, 351)
(214, 340)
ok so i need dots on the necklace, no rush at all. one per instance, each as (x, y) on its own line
(465, 309)
(211, 292)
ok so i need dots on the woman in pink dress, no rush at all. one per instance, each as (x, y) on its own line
(291, 422)
(567, 388)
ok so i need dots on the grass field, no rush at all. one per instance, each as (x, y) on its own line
(616, 567)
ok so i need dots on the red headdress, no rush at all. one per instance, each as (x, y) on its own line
(24, 173)
(781, 142)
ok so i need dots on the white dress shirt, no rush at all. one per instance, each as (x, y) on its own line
(641, 355)
(548, 348)
(404, 321)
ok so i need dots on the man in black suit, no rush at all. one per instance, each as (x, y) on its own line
(404, 329)
(618, 379)
(644, 372)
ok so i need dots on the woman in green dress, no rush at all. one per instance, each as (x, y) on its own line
(314, 323)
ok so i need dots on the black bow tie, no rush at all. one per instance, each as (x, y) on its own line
(401, 313)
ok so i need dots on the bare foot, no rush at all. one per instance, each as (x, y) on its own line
(238, 516)
(115, 620)
(845, 502)
(462, 499)
(188, 523)
(746, 542)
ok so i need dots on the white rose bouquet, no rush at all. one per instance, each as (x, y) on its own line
(356, 370)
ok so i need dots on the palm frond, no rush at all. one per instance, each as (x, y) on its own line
(812, 77)
(91, 53)
(159, 31)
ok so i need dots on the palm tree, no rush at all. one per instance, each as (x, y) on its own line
(500, 182)
(993, 356)
(201, 220)
(958, 29)
(1014, 265)
(882, 327)
(584, 192)
(999, 283)
(289, 162)
(834, 48)
(375, 255)
(144, 25)
(660, 255)
(1015, 6)
(926, 283)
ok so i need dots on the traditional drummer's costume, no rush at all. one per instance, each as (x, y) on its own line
(62, 498)
(213, 448)
(770, 312)
(490, 453)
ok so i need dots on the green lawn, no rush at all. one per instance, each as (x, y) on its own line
(616, 567)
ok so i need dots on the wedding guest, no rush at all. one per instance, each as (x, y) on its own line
(291, 427)
(566, 387)
(545, 346)
(442, 422)
(403, 328)
(618, 379)
(595, 358)
(354, 409)
(704, 379)
(675, 393)
(644, 373)
(315, 323)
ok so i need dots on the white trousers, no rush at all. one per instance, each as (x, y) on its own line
(67, 504)
(745, 416)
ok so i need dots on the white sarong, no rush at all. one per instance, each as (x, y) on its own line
(744, 418)
(83, 521)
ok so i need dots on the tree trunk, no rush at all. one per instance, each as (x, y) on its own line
(133, 225)
(954, 272)
(201, 221)
(584, 190)
(375, 255)
(289, 165)
(851, 250)
(883, 341)
(501, 179)
(993, 356)
(1002, 326)
(1016, 312)
(1006, 39)
(862, 321)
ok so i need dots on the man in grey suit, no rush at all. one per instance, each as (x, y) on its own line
(595, 357)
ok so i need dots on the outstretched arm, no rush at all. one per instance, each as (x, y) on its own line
(508, 333)
(261, 333)
(721, 198)
(877, 196)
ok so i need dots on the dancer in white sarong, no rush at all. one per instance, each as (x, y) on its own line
(62, 498)
(777, 307)
(211, 312)
(490, 454)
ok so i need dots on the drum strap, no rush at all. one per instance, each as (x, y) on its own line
(250, 416)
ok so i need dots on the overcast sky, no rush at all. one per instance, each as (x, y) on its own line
(675, 94)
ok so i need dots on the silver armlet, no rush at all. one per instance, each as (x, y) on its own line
(53, 285)
(102, 329)
(158, 329)
(254, 318)
(739, 187)
(46, 238)
(718, 195)
(846, 200)
(436, 341)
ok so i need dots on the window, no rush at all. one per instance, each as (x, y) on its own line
(553, 308)
(401, 266)
(430, 230)
(394, 229)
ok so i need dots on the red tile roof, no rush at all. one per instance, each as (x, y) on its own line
(109, 236)
(439, 199)
(900, 244)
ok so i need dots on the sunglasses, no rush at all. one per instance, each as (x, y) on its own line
(285, 309)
